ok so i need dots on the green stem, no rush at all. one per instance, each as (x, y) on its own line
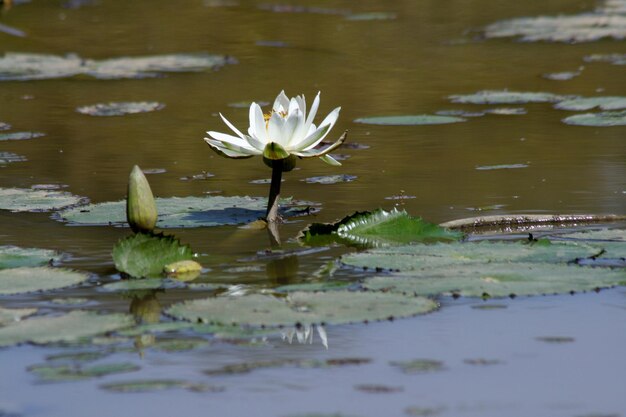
(271, 216)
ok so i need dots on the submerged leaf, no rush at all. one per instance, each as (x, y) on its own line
(410, 120)
(604, 119)
(377, 228)
(25, 279)
(181, 212)
(70, 327)
(145, 255)
(335, 307)
(15, 257)
(24, 199)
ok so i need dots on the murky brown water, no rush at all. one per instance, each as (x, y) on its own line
(408, 65)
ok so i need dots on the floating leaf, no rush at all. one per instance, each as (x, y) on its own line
(26, 66)
(609, 118)
(507, 111)
(371, 16)
(184, 212)
(330, 179)
(410, 120)
(179, 345)
(315, 286)
(246, 104)
(24, 199)
(418, 366)
(333, 307)
(460, 113)
(377, 228)
(68, 328)
(69, 301)
(561, 76)
(498, 280)
(588, 103)
(247, 367)
(4, 126)
(84, 356)
(21, 135)
(120, 108)
(10, 315)
(506, 97)
(615, 59)
(142, 285)
(24, 280)
(63, 373)
(8, 157)
(15, 257)
(505, 166)
(151, 385)
(145, 255)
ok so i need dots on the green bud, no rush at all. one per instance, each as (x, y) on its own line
(141, 211)
(289, 163)
(274, 151)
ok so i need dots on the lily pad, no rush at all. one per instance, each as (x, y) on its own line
(588, 103)
(11, 315)
(315, 286)
(64, 373)
(24, 199)
(410, 120)
(27, 66)
(362, 17)
(120, 108)
(498, 280)
(73, 357)
(377, 228)
(4, 126)
(145, 255)
(15, 257)
(615, 59)
(507, 111)
(247, 367)
(181, 212)
(68, 328)
(21, 135)
(506, 97)
(152, 385)
(25, 279)
(335, 307)
(561, 76)
(504, 166)
(604, 119)
(418, 366)
(9, 157)
(142, 285)
(330, 179)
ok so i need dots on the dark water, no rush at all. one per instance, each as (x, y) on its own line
(407, 65)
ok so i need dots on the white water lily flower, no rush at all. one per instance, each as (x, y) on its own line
(287, 130)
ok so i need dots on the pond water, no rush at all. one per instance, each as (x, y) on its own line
(374, 59)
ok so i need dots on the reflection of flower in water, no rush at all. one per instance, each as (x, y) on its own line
(304, 334)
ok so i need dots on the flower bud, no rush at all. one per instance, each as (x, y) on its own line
(141, 211)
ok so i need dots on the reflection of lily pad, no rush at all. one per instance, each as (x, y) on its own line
(145, 255)
(330, 179)
(67, 328)
(151, 385)
(333, 307)
(24, 280)
(23, 199)
(412, 120)
(8, 157)
(62, 373)
(498, 280)
(183, 211)
(120, 108)
(21, 135)
(10, 315)
(505, 97)
(14, 257)
(604, 119)
(377, 228)
(588, 103)
(26, 66)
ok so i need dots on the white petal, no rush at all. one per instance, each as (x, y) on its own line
(302, 104)
(223, 137)
(311, 116)
(293, 106)
(232, 127)
(330, 160)
(293, 122)
(328, 121)
(321, 331)
(257, 124)
(275, 130)
(226, 151)
(312, 140)
(281, 103)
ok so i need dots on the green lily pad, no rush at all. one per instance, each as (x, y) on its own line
(24, 199)
(418, 366)
(120, 108)
(335, 307)
(410, 120)
(588, 103)
(21, 135)
(152, 385)
(247, 367)
(68, 328)
(145, 255)
(14, 257)
(182, 212)
(27, 66)
(315, 286)
(418, 257)
(377, 228)
(506, 97)
(83, 356)
(603, 119)
(64, 373)
(70, 301)
(9, 157)
(179, 345)
(11, 315)
(498, 280)
(142, 285)
(330, 179)
(31, 279)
